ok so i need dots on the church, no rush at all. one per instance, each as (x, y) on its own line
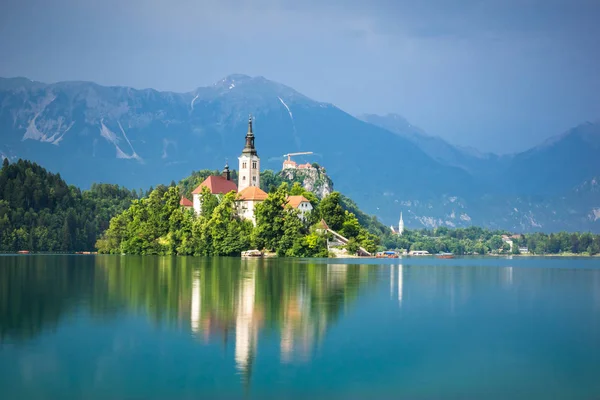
(247, 187)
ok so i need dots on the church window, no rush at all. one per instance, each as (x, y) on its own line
(243, 178)
(254, 178)
(253, 164)
(244, 165)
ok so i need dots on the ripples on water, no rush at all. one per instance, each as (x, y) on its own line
(181, 327)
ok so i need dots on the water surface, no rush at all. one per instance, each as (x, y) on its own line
(127, 327)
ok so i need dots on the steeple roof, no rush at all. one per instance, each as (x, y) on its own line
(249, 147)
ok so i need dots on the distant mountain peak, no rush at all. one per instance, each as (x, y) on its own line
(231, 80)
(587, 131)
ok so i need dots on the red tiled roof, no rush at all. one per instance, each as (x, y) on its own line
(294, 201)
(217, 185)
(252, 193)
(185, 202)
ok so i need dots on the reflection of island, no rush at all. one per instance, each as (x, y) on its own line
(297, 300)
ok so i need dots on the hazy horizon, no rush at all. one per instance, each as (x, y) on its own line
(498, 76)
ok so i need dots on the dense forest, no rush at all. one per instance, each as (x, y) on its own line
(158, 225)
(40, 212)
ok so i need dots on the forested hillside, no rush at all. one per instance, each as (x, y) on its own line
(40, 212)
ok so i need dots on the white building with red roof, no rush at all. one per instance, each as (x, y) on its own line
(247, 200)
(185, 203)
(300, 203)
(218, 186)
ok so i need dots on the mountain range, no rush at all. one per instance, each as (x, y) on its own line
(140, 138)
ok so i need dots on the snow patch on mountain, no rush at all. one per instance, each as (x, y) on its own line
(193, 101)
(134, 155)
(286, 107)
(111, 137)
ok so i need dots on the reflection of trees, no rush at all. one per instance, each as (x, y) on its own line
(213, 297)
(37, 291)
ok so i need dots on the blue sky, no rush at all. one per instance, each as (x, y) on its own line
(498, 75)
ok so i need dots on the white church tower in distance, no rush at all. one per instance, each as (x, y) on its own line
(400, 225)
(249, 166)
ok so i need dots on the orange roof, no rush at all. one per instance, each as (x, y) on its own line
(185, 202)
(305, 166)
(295, 201)
(217, 185)
(252, 193)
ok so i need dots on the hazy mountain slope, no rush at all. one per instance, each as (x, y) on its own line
(478, 164)
(138, 138)
(559, 164)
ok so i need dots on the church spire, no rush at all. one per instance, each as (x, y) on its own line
(249, 147)
(400, 225)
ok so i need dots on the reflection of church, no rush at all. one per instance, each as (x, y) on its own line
(298, 310)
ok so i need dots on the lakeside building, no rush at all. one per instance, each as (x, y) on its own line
(301, 204)
(247, 187)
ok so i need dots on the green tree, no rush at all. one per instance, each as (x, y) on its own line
(270, 217)
(331, 210)
(208, 202)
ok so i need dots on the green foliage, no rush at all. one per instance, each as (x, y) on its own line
(40, 212)
(208, 202)
(270, 216)
(475, 240)
(332, 212)
(352, 246)
(158, 225)
(270, 181)
(338, 218)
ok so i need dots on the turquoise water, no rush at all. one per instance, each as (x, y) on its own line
(126, 327)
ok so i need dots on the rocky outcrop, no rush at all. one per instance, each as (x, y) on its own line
(313, 179)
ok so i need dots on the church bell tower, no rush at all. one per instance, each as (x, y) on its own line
(249, 162)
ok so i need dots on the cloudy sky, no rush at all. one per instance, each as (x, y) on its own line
(498, 75)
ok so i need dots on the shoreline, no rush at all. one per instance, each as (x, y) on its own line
(561, 255)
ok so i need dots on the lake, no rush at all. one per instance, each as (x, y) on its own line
(133, 327)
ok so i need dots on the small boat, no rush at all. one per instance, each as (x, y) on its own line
(445, 255)
(386, 254)
(23, 252)
(252, 253)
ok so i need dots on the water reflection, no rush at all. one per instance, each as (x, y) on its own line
(213, 298)
(289, 305)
